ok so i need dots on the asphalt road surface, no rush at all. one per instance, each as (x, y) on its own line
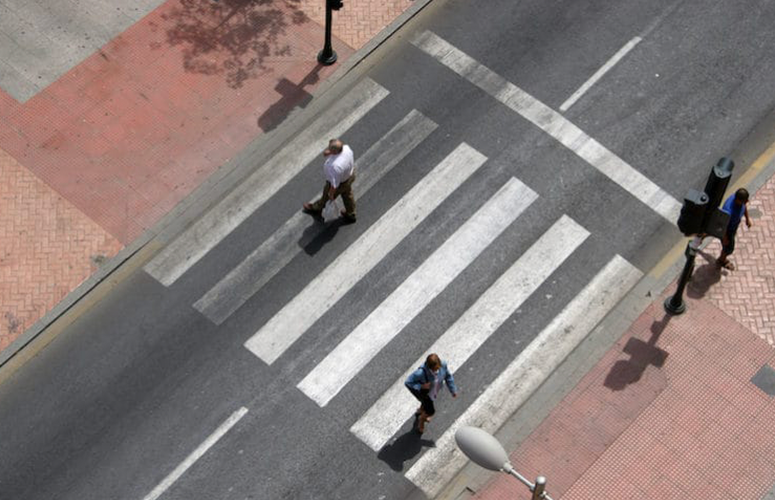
(520, 167)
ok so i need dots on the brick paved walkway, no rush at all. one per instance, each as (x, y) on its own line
(123, 136)
(748, 293)
(671, 411)
(37, 227)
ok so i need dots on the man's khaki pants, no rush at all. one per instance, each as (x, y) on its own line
(345, 190)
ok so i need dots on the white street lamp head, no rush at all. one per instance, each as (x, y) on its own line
(482, 448)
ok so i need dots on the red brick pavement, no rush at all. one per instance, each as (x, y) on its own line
(129, 132)
(36, 227)
(670, 411)
(748, 293)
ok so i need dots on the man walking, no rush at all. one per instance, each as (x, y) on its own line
(736, 206)
(339, 171)
(425, 384)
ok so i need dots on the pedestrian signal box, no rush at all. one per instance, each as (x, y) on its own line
(693, 212)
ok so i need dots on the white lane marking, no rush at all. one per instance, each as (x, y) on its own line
(476, 325)
(527, 372)
(279, 249)
(358, 259)
(599, 73)
(194, 243)
(196, 454)
(553, 123)
(416, 292)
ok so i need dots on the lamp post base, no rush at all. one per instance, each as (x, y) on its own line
(674, 309)
(326, 58)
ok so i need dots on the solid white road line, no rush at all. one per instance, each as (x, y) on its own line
(599, 73)
(358, 259)
(476, 325)
(553, 123)
(280, 248)
(416, 292)
(527, 372)
(191, 245)
(196, 454)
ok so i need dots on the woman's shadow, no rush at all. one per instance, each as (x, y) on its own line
(406, 447)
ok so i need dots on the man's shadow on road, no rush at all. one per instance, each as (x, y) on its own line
(318, 234)
(406, 447)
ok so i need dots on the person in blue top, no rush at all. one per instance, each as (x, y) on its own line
(425, 384)
(737, 207)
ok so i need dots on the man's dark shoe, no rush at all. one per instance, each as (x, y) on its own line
(346, 218)
(316, 214)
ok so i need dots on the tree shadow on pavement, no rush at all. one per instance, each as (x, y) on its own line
(406, 447)
(232, 37)
(642, 354)
(293, 95)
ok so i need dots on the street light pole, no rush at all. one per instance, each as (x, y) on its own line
(327, 56)
(484, 450)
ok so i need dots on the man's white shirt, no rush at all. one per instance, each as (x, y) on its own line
(338, 168)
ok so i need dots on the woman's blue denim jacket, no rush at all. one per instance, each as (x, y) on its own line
(423, 374)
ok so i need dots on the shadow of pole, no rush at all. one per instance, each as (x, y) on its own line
(642, 354)
(293, 95)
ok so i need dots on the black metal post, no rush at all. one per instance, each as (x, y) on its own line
(327, 56)
(675, 304)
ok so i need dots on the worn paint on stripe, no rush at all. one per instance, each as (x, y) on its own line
(416, 292)
(356, 261)
(196, 454)
(527, 372)
(553, 123)
(599, 73)
(475, 326)
(287, 242)
(194, 243)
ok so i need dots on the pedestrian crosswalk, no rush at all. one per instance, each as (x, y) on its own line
(475, 326)
(415, 293)
(280, 248)
(517, 279)
(193, 244)
(375, 243)
(526, 373)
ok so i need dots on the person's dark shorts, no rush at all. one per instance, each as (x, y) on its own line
(729, 247)
(424, 399)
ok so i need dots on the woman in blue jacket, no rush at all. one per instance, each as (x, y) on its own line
(425, 384)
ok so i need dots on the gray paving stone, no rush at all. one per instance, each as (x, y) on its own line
(765, 380)
(40, 40)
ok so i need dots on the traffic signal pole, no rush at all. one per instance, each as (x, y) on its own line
(700, 215)
(675, 303)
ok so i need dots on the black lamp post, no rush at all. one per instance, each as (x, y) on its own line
(327, 56)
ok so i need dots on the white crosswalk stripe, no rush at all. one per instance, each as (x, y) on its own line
(475, 326)
(279, 249)
(375, 243)
(194, 243)
(416, 292)
(551, 122)
(526, 373)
